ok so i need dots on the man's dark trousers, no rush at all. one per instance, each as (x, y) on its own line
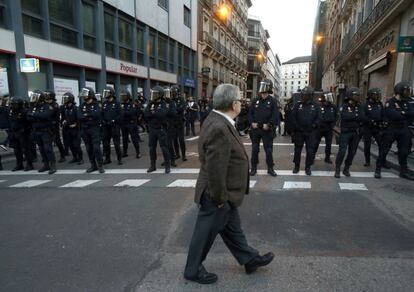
(92, 138)
(267, 137)
(155, 135)
(307, 138)
(111, 132)
(350, 140)
(327, 133)
(130, 128)
(403, 137)
(74, 142)
(368, 133)
(179, 142)
(210, 222)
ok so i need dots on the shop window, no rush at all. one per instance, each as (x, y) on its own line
(88, 19)
(63, 35)
(151, 49)
(32, 26)
(171, 57)
(187, 16)
(162, 53)
(62, 11)
(109, 22)
(125, 36)
(2, 16)
(32, 6)
(140, 45)
(125, 54)
(163, 4)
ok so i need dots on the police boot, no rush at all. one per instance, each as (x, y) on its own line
(338, 172)
(52, 169)
(367, 163)
(79, 160)
(405, 173)
(328, 160)
(296, 169)
(29, 166)
(386, 165)
(271, 171)
(152, 167)
(346, 171)
(253, 171)
(167, 168)
(173, 163)
(62, 159)
(100, 168)
(184, 158)
(124, 154)
(120, 161)
(107, 160)
(45, 167)
(19, 166)
(377, 173)
(93, 168)
(138, 156)
(308, 170)
(74, 160)
(1, 165)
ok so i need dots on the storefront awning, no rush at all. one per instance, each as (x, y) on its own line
(379, 62)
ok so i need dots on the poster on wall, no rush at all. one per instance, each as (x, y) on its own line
(91, 84)
(63, 85)
(4, 82)
(126, 87)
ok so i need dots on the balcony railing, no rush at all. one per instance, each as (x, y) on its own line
(380, 11)
(253, 33)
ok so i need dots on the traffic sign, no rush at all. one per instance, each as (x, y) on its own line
(29, 65)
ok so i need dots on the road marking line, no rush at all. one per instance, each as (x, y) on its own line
(192, 139)
(80, 183)
(287, 144)
(2, 181)
(352, 187)
(297, 185)
(252, 183)
(30, 183)
(183, 183)
(132, 183)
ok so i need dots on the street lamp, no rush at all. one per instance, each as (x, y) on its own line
(223, 11)
(319, 38)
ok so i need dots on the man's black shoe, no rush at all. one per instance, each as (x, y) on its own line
(125, 154)
(18, 167)
(367, 164)
(120, 162)
(308, 171)
(152, 168)
(377, 172)
(80, 162)
(29, 167)
(62, 159)
(346, 171)
(184, 158)
(138, 156)
(296, 168)
(173, 164)
(203, 278)
(328, 160)
(406, 175)
(253, 171)
(101, 169)
(258, 261)
(387, 165)
(74, 160)
(167, 169)
(44, 168)
(107, 161)
(337, 172)
(271, 171)
(92, 169)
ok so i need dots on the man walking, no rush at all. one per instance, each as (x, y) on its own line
(222, 183)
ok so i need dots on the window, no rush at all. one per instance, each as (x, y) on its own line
(125, 37)
(63, 35)
(2, 15)
(32, 6)
(299, 82)
(162, 53)
(109, 21)
(151, 49)
(32, 20)
(140, 45)
(186, 62)
(61, 11)
(187, 16)
(88, 20)
(163, 4)
(171, 57)
(291, 82)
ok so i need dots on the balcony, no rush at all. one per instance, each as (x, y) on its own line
(383, 8)
(254, 34)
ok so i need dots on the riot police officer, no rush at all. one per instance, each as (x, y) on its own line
(156, 116)
(288, 126)
(373, 123)
(204, 106)
(171, 116)
(398, 114)
(305, 116)
(191, 116)
(89, 116)
(263, 118)
(179, 141)
(71, 127)
(4, 119)
(20, 134)
(42, 116)
(242, 120)
(328, 114)
(351, 115)
(50, 97)
(129, 115)
(111, 117)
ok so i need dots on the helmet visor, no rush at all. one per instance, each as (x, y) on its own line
(155, 95)
(167, 93)
(329, 97)
(84, 93)
(106, 93)
(35, 97)
(264, 87)
(4, 101)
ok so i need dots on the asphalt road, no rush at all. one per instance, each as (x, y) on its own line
(126, 230)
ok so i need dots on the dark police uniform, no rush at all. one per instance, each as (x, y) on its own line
(191, 117)
(20, 135)
(179, 141)
(263, 111)
(71, 129)
(351, 116)
(129, 126)
(111, 118)
(56, 130)
(42, 117)
(398, 115)
(305, 117)
(204, 107)
(4, 123)
(172, 112)
(90, 117)
(372, 127)
(328, 114)
(288, 129)
(156, 117)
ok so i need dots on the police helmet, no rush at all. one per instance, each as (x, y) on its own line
(307, 93)
(50, 96)
(353, 93)
(266, 86)
(37, 96)
(167, 93)
(4, 100)
(16, 102)
(328, 97)
(175, 91)
(68, 98)
(403, 89)
(87, 93)
(374, 94)
(157, 93)
(108, 92)
(125, 95)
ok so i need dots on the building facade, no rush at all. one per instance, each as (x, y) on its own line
(295, 75)
(222, 44)
(131, 45)
(272, 71)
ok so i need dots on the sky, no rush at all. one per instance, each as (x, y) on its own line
(290, 25)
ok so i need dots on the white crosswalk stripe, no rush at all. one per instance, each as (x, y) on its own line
(80, 183)
(252, 183)
(132, 183)
(352, 187)
(30, 183)
(2, 181)
(297, 185)
(183, 183)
